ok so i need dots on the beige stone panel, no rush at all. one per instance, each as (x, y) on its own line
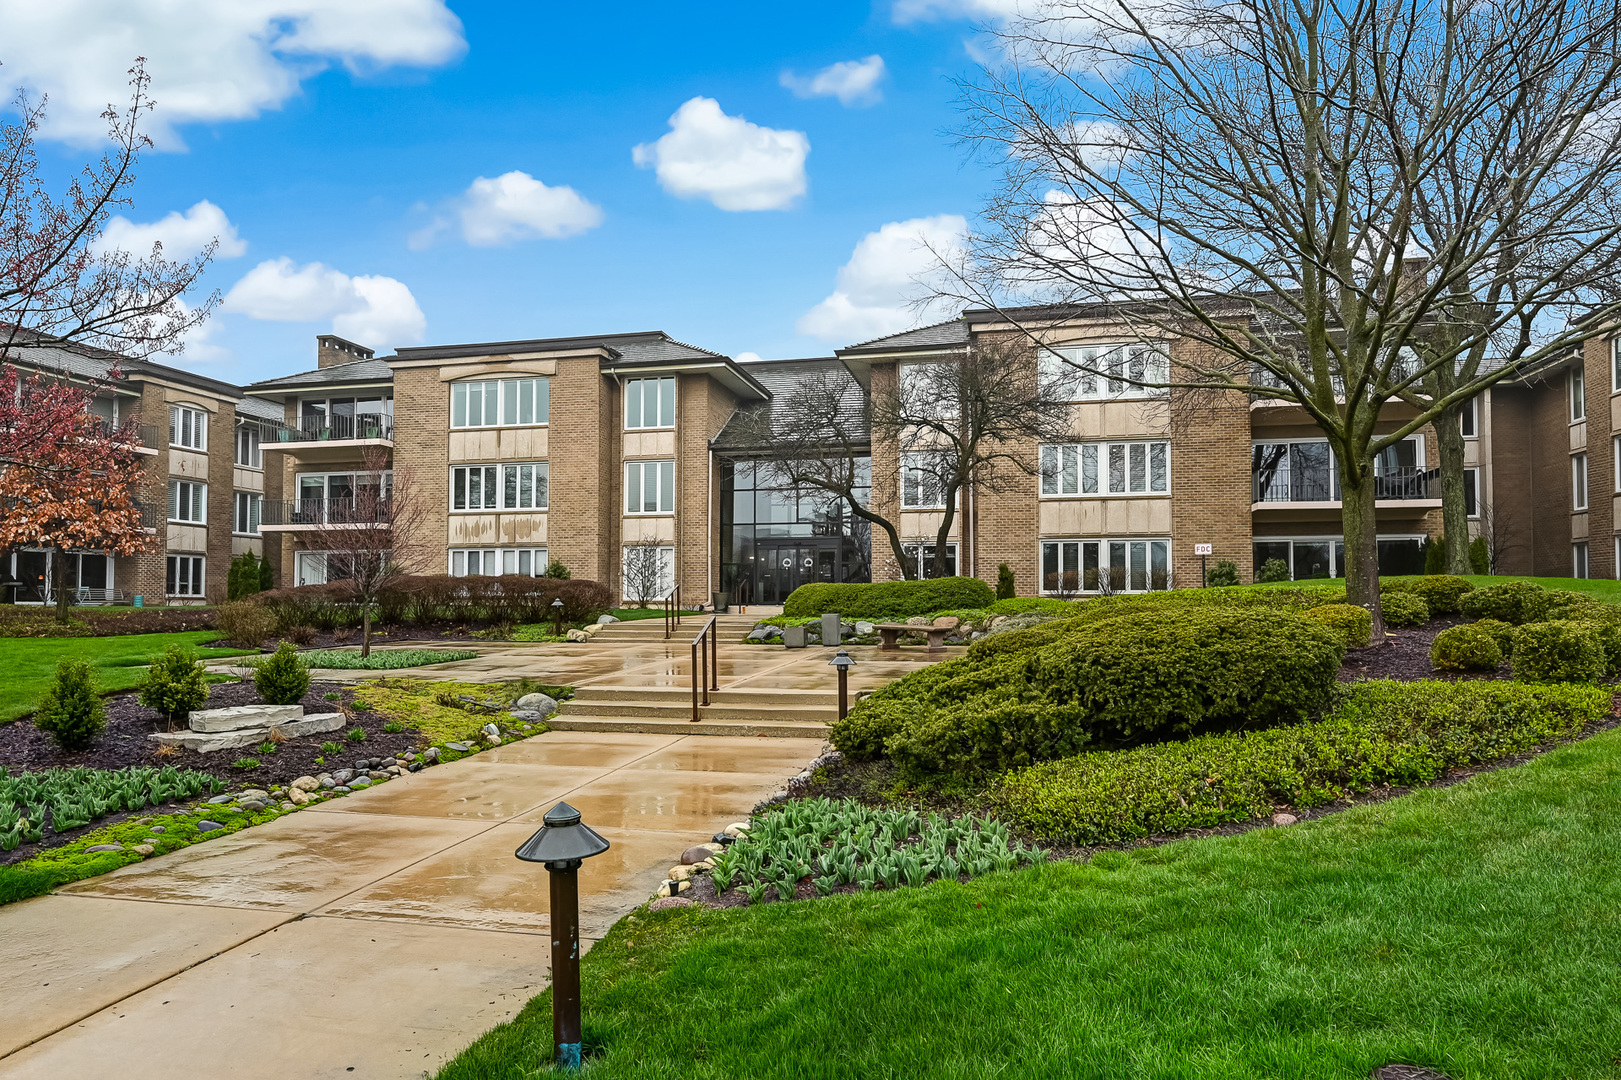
(247, 479)
(188, 464)
(1615, 511)
(1471, 453)
(188, 538)
(1118, 419)
(522, 528)
(649, 444)
(483, 444)
(524, 443)
(1105, 517)
(243, 544)
(469, 529)
(917, 524)
(1578, 526)
(1578, 436)
(660, 527)
(496, 366)
(1615, 412)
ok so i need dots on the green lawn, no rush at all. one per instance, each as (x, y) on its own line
(119, 662)
(1475, 929)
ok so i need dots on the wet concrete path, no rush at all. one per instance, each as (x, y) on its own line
(371, 936)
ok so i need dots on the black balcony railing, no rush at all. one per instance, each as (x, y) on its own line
(1392, 485)
(326, 512)
(145, 434)
(366, 426)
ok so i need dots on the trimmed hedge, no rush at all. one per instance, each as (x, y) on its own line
(1442, 592)
(1501, 632)
(1558, 651)
(1403, 609)
(1354, 624)
(434, 599)
(886, 600)
(1465, 648)
(1514, 602)
(1377, 733)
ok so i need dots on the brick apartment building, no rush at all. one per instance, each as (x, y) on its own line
(580, 449)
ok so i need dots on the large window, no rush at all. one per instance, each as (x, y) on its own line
(500, 403)
(922, 556)
(1113, 468)
(920, 483)
(347, 417)
(1578, 394)
(1578, 481)
(1103, 372)
(1469, 418)
(245, 522)
(188, 502)
(248, 453)
(184, 575)
(775, 538)
(648, 572)
(1471, 492)
(1304, 470)
(649, 487)
(650, 403)
(1324, 557)
(1108, 566)
(188, 427)
(1578, 558)
(499, 487)
(490, 562)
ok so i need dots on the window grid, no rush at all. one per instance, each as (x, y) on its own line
(1471, 493)
(1578, 553)
(1578, 395)
(1469, 418)
(188, 502)
(491, 562)
(500, 403)
(1106, 468)
(248, 453)
(188, 428)
(246, 521)
(920, 484)
(519, 486)
(1126, 564)
(649, 403)
(1578, 481)
(1109, 367)
(184, 575)
(649, 487)
(923, 556)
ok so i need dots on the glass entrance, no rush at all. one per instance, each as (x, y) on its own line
(785, 567)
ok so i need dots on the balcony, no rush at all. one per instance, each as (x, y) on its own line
(328, 438)
(298, 515)
(146, 435)
(1305, 493)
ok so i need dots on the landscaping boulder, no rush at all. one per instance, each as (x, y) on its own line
(950, 622)
(865, 628)
(604, 620)
(578, 635)
(544, 704)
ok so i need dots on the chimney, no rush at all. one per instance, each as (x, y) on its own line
(331, 349)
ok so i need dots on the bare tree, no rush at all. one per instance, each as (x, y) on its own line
(645, 577)
(1343, 207)
(970, 422)
(56, 278)
(374, 537)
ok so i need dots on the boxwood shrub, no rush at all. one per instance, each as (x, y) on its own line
(1442, 592)
(1465, 648)
(884, 600)
(1403, 609)
(1559, 650)
(1354, 624)
(1515, 602)
(1501, 632)
(1377, 733)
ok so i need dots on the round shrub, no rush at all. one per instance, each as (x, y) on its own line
(1515, 602)
(1170, 671)
(1442, 592)
(991, 733)
(1354, 624)
(1465, 648)
(1272, 570)
(70, 711)
(283, 679)
(1501, 632)
(175, 684)
(887, 600)
(1225, 572)
(246, 622)
(1558, 651)
(1565, 604)
(1403, 609)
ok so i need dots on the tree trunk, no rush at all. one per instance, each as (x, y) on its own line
(365, 629)
(1361, 541)
(59, 578)
(1454, 514)
(942, 536)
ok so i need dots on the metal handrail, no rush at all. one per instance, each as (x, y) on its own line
(705, 664)
(672, 612)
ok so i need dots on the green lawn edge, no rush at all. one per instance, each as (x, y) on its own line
(118, 662)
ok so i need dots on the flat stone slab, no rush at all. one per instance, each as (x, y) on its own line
(208, 742)
(242, 717)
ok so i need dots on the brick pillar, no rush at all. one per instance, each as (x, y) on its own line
(1210, 484)
(886, 481)
(421, 460)
(221, 497)
(1601, 483)
(146, 571)
(584, 452)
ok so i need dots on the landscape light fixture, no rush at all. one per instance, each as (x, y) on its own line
(557, 616)
(562, 843)
(844, 663)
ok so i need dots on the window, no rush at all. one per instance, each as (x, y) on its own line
(188, 502)
(648, 572)
(499, 487)
(184, 575)
(1108, 566)
(650, 403)
(1615, 365)
(188, 428)
(500, 403)
(923, 556)
(1469, 418)
(1578, 395)
(489, 562)
(247, 446)
(920, 484)
(1471, 492)
(1101, 372)
(921, 396)
(1135, 468)
(1578, 481)
(1578, 553)
(649, 486)
(246, 520)
(1324, 557)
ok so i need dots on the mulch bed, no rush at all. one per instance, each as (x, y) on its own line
(1406, 656)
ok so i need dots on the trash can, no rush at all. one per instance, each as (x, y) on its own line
(722, 599)
(830, 629)
(137, 601)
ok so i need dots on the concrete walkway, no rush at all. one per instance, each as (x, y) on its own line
(371, 936)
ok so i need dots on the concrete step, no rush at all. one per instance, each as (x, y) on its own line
(779, 729)
(764, 698)
(242, 717)
(676, 710)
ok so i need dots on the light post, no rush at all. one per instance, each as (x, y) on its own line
(844, 663)
(557, 616)
(561, 844)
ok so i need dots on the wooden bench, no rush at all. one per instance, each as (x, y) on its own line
(888, 633)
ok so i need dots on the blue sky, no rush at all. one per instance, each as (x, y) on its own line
(354, 139)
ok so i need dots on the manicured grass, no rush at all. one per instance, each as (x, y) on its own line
(1475, 929)
(631, 614)
(119, 663)
(1599, 588)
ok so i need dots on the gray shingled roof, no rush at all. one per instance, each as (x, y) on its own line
(781, 377)
(950, 332)
(647, 346)
(356, 371)
(91, 363)
(260, 409)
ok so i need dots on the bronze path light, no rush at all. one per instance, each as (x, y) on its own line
(844, 663)
(557, 616)
(562, 843)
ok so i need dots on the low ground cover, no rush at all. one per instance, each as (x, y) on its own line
(441, 710)
(1319, 952)
(28, 621)
(385, 660)
(118, 663)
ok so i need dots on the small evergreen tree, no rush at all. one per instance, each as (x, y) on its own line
(1272, 570)
(267, 578)
(1225, 572)
(1005, 588)
(175, 684)
(71, 712)
(1480, 555)
(283, 679)
(556, 569)
(1435, 556)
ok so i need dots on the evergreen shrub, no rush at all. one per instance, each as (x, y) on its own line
(175, 684)
(1353, 623)
(70, 711)
(1272, 570)
(887, 600)
(1465, 648)
(1403, 609)
(1514, 602)
(283, 679)
(1225, 572)
(1560, 650)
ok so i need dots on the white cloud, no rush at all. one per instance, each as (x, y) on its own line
(875, 291)
(746, 357)
(907, 11)
(182, 235)
(734, 164)
(379, 312)
(514, 206)
(853, 82)
(210, 60)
